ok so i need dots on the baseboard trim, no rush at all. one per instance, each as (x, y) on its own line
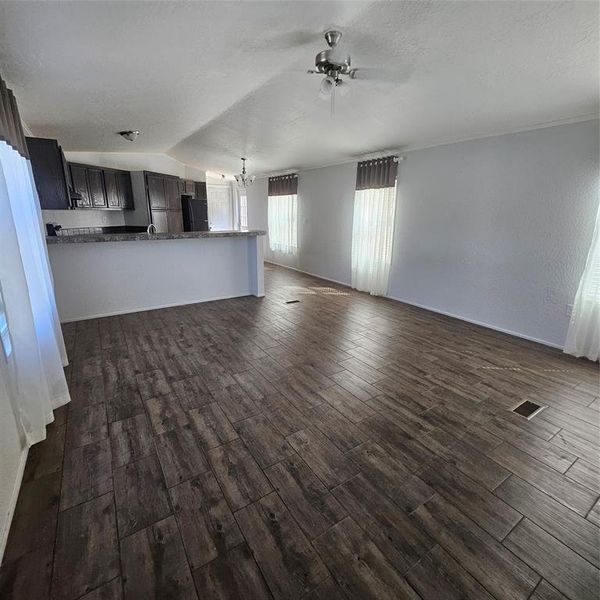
(523, 336)
(13, 502)
(142, 309)
(438, 311)
(272, 262)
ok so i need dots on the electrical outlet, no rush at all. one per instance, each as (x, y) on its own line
(550, 296)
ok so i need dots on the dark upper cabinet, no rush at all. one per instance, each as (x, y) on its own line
(79, 177)
(172, 193)
(189, 187)
(201, 190)
(50, 173)
(96, 184)
(125, 190)
(101, 188)
(112, 193)
(156, 191)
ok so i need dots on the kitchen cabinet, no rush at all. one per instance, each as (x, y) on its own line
(100, 187)
(173, 197)
(112, 193)
(79, 177)
(62, 185)
(189, 187)
(164, 200)
(159, 218)
(124, 189)
(96, 186)
(200, 190)
(50, 173)
(155, 184)
(174, 221)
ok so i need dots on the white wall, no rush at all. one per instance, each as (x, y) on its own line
(109, 278)
(493, 230)
(84, 217)
(497, 230)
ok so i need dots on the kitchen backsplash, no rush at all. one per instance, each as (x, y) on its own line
(84, 218)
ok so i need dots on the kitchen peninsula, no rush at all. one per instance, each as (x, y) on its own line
(110, 274)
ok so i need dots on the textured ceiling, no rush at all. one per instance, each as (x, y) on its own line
(207, 82)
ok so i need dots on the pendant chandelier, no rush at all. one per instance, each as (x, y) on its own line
(244, 180)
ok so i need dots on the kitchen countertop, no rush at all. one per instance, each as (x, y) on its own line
(144, 237)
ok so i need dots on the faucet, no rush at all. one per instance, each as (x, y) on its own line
(151, 228)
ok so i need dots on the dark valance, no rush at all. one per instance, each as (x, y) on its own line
(11, 130)
(284, 185)
(377, 173)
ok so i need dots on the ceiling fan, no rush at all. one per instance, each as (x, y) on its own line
(334, 65)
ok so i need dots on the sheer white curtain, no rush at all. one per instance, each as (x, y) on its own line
(36, 380)
(372, 237)
(583, 337)
(283, 223)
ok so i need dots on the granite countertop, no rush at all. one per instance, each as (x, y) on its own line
(144, 237)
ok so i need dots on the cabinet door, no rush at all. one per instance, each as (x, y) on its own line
(172, 194)
(190, 187)
(124, 189)
(174, 221)
(201, 190)
(97, 192)
(156, 191)
(159, 218)
(79, 177)
(48, 172)
(112, 193)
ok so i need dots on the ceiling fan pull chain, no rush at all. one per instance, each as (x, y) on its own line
(333, 100)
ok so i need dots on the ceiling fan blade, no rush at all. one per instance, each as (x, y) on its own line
(381, 74)
(284, 41)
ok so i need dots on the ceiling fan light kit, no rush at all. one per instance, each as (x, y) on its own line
(334, 66)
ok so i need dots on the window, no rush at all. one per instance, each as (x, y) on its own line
(283, 223)
(243, 211)
(373, 224)
(220, 206)
(4, 333)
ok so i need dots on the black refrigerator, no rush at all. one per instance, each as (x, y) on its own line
(195, 213)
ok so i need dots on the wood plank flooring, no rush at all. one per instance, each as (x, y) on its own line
(343, 446)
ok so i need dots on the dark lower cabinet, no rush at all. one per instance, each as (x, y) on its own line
(159, 218)
(174, 221)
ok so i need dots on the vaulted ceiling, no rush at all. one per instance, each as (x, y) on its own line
(208, 82)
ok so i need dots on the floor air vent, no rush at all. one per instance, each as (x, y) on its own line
(528, 409)
(292, 301)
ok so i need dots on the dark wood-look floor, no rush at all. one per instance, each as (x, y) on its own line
(340, 447)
